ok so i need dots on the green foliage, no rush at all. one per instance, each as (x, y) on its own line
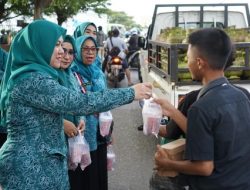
(64, 9)
(19, 7)
(122, 18)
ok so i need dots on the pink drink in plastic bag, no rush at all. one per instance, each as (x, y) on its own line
(105, 120)
(110, 158)
(78, 152)
(152, 115)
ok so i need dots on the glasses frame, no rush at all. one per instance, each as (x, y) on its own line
(68, 52)
(87, 49)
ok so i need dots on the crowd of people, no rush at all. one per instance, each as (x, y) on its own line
(53, 88)
(41, 102)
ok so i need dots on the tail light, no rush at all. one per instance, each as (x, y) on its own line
(116, 61)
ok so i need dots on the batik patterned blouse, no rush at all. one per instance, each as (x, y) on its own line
(36, 148)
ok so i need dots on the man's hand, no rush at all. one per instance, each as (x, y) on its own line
(167, 108)
(161, 159)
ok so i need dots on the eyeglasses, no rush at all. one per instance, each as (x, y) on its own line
(68, 51)
(88, 49)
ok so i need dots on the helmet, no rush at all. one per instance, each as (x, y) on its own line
(133, 31)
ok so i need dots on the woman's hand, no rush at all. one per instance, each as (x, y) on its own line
(81, 126)
(69, 128)
(142, 90)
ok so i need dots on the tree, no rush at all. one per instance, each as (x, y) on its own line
(39, 6)
(122, 18)
(7, 7)
(65, 9)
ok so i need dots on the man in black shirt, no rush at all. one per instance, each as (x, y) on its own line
(217, 126)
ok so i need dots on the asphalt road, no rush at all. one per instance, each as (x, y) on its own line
(134, 151)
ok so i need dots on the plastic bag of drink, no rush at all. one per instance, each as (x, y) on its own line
(152, 114)
(110, 158)
(78, 152)
(105, 120)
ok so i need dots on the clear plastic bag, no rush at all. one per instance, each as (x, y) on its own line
(105, 120)
(78, 152)
(152, 114)
(110, 158)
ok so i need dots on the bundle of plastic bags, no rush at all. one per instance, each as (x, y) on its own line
(79, 152)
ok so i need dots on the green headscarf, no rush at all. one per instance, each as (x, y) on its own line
(80, 29)
(90, 72)
(65, 79)
(31, 51)
(64, 74)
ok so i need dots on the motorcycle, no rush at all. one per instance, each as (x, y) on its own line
(115, 70)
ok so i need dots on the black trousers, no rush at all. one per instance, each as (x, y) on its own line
(3, 138)
(94, 176)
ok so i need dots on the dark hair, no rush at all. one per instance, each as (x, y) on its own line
(213, 44)
(100, 27)
(115, 32)
(231, 58)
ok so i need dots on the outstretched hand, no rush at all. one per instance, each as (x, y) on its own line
(166, 106)
(142, 90)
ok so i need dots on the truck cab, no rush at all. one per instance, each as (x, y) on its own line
(166, 63)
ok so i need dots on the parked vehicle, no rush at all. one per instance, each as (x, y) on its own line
(166, 66)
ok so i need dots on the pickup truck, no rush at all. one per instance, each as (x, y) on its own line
(166, 63)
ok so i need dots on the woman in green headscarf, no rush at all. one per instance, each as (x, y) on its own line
(71, 123)
(33, 104)
(86, 28)
(3, 59)
(94, 176)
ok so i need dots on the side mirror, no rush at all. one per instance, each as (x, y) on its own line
(141, 42)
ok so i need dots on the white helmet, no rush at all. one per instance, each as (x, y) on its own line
(133, 31)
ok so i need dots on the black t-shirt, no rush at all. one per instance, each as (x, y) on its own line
(173, 131)
(219, 130)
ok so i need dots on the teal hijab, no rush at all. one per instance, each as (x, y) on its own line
(64, 74)
(80, 29)
(31, 51)
(90, 72)
(65, 79)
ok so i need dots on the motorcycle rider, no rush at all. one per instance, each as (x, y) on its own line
(118, 42)
(133, 47)
(133, 41)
